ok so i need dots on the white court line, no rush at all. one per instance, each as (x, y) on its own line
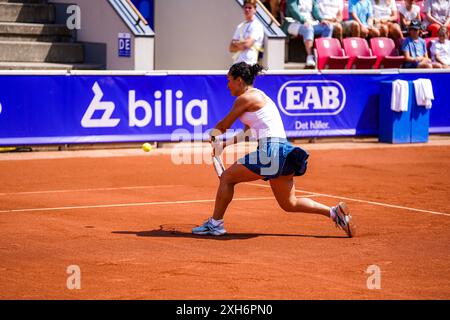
(141, 204)
(89, 190)
(359, 200)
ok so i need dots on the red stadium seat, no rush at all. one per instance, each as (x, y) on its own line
(329, 54)
(360, 54)
(386, 52)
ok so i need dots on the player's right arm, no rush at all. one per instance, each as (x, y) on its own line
(240, 106)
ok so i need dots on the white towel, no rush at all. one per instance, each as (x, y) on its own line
(424, 92)
(399, 97)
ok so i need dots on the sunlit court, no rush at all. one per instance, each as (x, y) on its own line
(225, 157)
(122, 219)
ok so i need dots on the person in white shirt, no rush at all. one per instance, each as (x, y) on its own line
(332, 11)
(248, 38)
(408, 11)
(440, 48)
(385, 17)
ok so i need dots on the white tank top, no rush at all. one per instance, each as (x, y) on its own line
(265, 122)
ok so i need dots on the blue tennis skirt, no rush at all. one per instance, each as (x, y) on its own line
(276, 157)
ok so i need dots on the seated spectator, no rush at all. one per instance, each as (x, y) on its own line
(331, 11)
(307, 21)
(350, 26)
(248, 38)
(385, 17)
(415, 49)
(362, 12)
(408, 11)
(437, 15)
(440, 48)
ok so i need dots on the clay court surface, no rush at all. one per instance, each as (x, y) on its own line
(124, 217)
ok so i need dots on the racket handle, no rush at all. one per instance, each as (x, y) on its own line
(218, 165)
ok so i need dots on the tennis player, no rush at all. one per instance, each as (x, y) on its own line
(275, 159)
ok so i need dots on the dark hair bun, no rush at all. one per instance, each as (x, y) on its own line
(256, 69)
(247, 72)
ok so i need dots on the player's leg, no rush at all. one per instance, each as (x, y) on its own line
(284, 191)
(233, 175)
(230, 177)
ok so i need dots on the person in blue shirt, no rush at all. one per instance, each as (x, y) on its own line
(415, 49)
(362, 12)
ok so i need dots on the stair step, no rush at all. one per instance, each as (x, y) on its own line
(33, 13)
(13, 31)
(48, 66)
(18, 51)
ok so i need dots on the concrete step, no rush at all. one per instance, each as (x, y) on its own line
(13, 31)
(294, 65)
(30, 12)
(48, 66)
(18, 51)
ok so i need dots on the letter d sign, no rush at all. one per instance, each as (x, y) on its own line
(124, 45)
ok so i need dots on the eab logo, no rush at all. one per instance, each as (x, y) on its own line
(311, 98)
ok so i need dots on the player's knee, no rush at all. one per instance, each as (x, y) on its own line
(227, 177)
(288, 205)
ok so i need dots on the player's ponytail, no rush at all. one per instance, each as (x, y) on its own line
(255, 70)
(247, 72)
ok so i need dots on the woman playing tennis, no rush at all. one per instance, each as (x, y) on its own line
(275, 159)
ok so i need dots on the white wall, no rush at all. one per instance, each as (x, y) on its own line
(100, 23)
(195, 34)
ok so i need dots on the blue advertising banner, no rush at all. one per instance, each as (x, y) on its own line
(50, 109)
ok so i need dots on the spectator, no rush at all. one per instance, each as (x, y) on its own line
(362, 12)
(408, 11)
(331, 11)
(440, 48)
(350, 26)
(248, 38)
(308, 22)
(385, 17)
(437, 15)
(415, 49)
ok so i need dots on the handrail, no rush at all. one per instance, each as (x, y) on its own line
(138, 12)
(132, 17)
(268, 13)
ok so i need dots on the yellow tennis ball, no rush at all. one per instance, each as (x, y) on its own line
(147, 147)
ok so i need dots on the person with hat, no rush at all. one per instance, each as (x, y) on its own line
(415, 49)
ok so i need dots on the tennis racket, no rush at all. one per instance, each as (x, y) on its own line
(218, 165)
(217, 160)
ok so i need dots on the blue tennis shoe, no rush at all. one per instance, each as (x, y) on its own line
(208, 228)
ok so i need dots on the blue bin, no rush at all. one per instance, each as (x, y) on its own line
(393, 127)
(420, 119)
